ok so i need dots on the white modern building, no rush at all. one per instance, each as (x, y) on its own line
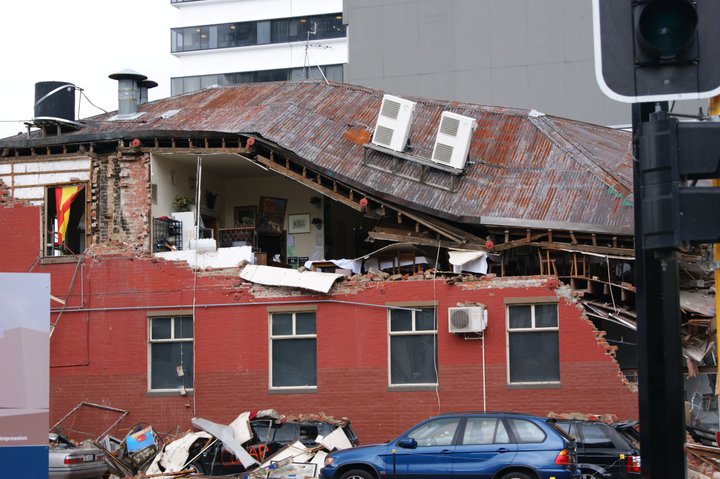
(223, 42)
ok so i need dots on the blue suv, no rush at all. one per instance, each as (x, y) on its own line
(463, 446)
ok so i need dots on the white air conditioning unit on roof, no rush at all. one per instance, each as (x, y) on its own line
(452, 143)
(393, 124)
(470, 319)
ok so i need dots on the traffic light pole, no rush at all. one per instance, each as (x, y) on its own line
(661, 402)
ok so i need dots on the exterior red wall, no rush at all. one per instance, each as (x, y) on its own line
(99, 349)
(19, 237)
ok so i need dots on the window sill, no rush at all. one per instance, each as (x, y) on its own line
(59, 259)
(412, 387)
(169, 392)
(310, 390)
(548, 385)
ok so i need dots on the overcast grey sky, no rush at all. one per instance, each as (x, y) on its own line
(80, 42)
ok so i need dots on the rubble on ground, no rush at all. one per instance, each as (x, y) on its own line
(142, 454)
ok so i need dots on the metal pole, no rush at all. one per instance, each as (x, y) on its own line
(661, 397)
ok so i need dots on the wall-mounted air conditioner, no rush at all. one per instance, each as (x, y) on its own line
(452, 143)
(470, 319)
(393, 124)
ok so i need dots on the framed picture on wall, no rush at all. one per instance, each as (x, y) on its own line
(299, 223)
(245, 215)
(271, 215)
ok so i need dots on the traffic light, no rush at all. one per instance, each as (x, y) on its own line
(677, 208)
(657, 50)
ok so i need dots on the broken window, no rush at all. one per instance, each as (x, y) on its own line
(171, 353)
(293, 350)
(533, 351)
(65, 218)
(413, 346)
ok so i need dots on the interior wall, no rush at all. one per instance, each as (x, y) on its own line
(171, 179)
(245, 192)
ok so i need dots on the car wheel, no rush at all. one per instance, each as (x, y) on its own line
(588, 475)
(516, 475)
(196, 467)
(357, 474)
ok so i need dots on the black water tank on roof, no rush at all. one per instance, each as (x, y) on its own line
(55, 99)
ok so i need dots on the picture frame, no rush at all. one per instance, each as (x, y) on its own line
(299, 223)
(245, 215)
(271, 215)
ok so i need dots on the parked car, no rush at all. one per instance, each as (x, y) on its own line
(463, 445)
(602, 451)
(68, 461)
(269, 436)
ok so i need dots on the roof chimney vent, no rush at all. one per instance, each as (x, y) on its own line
(128, 91)
(145, 85)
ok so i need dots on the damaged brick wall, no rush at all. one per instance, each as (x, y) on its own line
(121, 203)
(231, 351)
(99, 349)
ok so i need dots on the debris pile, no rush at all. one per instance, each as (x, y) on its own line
(703, 461)
(238, 449)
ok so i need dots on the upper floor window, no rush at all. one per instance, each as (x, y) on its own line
(243, 34)
(293, 350)
(189, 84)
(413, 346)
(171, 353)
(65, 220)
(533, 348)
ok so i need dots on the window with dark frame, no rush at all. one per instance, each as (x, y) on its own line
(189, 84)
(413, 346)
(260, 32)
(171, 353)
(293, 350)
(533, 343)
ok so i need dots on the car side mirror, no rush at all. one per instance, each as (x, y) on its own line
(407, 443)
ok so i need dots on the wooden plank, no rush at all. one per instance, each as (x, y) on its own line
(519, 242)
(312, 184)
(423, 241)
(603, 250)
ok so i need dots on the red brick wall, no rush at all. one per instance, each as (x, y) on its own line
(19, 237)
(231, 357)
(99, 347)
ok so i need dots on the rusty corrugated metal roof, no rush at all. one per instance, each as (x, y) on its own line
(523, 170)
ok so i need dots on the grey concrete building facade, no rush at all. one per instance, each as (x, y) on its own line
(533, 54)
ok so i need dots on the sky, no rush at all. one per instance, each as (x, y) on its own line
(80, 42)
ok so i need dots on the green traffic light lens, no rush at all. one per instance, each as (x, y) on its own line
(666, 28)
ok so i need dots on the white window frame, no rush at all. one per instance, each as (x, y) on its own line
(413, 332)
(285, 337)
(172, 339)
(532, 329)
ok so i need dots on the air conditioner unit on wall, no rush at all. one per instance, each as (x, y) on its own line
(452, 143)
(393, 124)
(470, 319)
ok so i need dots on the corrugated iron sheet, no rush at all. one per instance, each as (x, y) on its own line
(536, 170)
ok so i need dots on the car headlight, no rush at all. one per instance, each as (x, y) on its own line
(329, 460)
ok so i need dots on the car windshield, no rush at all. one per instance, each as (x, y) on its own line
(261, 429)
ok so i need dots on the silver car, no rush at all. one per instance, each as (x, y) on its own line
(68, 461)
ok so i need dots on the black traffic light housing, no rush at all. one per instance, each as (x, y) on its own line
(657, 50)
(676, 207)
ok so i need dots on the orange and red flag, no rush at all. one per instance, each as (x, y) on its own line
(64, 197)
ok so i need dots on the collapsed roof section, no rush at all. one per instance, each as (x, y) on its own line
(524, 169)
